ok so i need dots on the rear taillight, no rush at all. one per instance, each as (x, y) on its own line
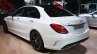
(59, 28)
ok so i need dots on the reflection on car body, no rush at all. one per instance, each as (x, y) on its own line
(91, 18)
(46, 28)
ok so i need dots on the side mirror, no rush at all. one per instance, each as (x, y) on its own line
(92, 15)
(12, 15)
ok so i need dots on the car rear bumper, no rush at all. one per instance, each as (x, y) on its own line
(73, 44)
(66, 41)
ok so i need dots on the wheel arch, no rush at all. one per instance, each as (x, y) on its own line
(38, 32)
(32, 31)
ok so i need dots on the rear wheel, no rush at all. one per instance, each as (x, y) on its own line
(76, 45)
(5, 28)
(37, 42)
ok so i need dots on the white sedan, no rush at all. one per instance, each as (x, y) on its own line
(47, 27)
(91, 18)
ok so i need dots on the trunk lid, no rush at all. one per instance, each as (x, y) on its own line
(72, 23)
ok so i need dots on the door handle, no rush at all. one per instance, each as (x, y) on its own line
(18, 18)
(31, 20)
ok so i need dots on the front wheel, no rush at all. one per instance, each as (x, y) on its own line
(5, 28)
(37, 42)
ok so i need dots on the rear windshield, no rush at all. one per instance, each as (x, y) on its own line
(57, 12)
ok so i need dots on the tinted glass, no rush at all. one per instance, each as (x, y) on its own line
(32, 12)
(56, 12)
(19, 12)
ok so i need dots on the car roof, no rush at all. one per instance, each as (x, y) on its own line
(31, 6)
(46, 6)
(43, 6)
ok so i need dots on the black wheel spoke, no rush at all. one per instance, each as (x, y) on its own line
(37, 45)
(36, 41)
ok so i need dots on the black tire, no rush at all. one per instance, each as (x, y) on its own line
(5, 29)
(77, 45)
(37, 42)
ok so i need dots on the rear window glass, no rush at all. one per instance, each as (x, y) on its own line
(57, 12)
